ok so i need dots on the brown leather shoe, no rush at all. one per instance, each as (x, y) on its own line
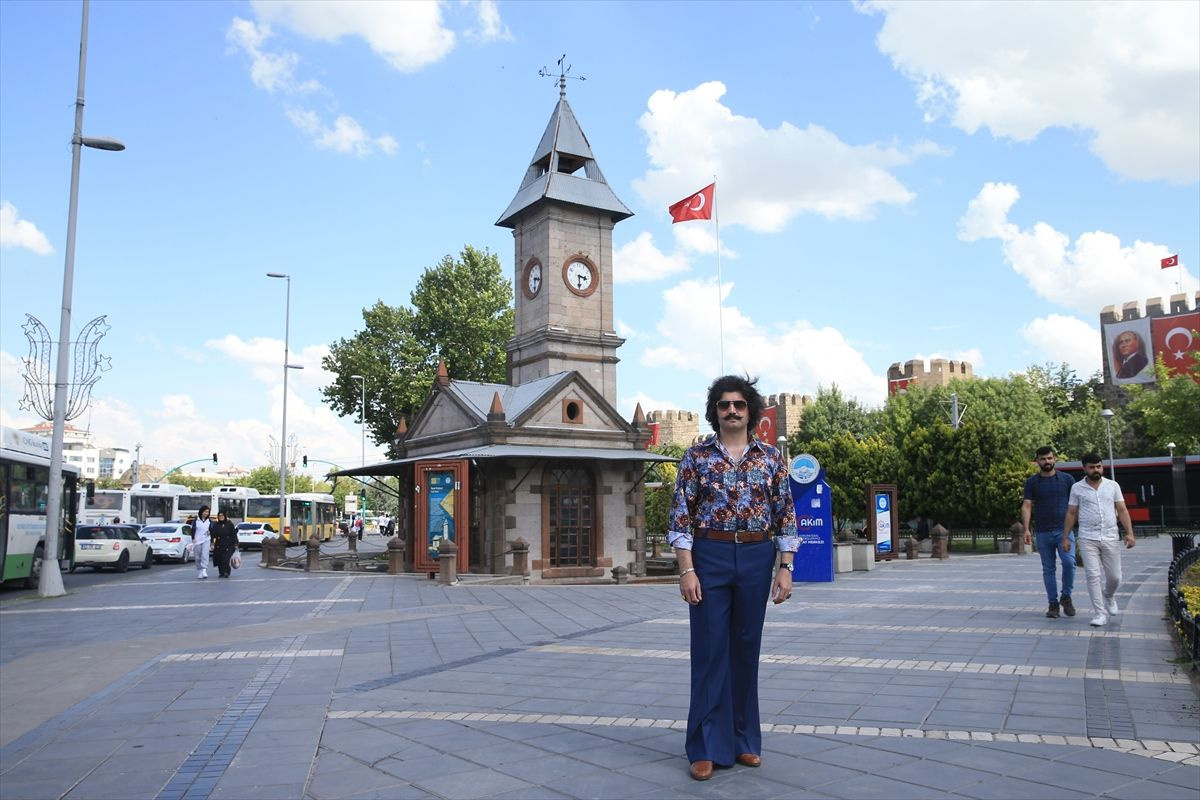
(701, 770)
(750, 760)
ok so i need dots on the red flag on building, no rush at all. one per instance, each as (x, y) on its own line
(766, 426)
(697, 206)
(1174, 339)
(1169, 261)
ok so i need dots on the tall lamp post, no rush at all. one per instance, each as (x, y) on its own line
(362, 415)
(287, 322)
(1108, 415)
(50, 582)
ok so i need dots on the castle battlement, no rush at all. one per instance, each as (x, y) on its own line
(939, 372)
(1177, 304)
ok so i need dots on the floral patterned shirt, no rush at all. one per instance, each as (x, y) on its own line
(715, 492)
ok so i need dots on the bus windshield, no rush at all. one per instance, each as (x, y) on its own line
(106, 500)
(262, 507)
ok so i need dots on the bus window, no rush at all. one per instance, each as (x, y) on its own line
(106, 500)
(234, 508)
(147, 509)
(30, 488)
(191, 503)
(262, 507)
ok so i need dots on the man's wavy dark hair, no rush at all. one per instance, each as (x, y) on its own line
(735, 383)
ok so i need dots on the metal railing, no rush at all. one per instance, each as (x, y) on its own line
(1183, 617)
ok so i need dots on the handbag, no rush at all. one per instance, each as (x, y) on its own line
(235, 560)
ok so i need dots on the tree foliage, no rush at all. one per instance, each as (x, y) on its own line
(1170, 412)
(832, 414)
(461, 313)
(851, 464)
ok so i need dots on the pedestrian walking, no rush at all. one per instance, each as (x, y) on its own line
(1046, 493)
(358, 527)
(201, 540)
(732, 509)
(225, 544)
(1097, 505)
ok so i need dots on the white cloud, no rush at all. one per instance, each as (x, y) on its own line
(764, 177)
(178, 406)
(408, 35)
(1095, 271)
(269, 71)
(345, 136)
(1057, 338)
(491, 27)
(640, 261)
(795, 357)
(1124, 72)
(698, 237)
(17, 232)
(972, 355)
(262, 358)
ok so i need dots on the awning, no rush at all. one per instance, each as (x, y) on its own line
(507, 451)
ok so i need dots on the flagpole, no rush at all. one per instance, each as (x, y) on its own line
(720, 290)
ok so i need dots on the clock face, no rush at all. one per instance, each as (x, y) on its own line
(580, 276)
(533, 277)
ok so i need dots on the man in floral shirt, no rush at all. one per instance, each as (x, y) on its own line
(732, 509)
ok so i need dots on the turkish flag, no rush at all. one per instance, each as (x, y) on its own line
(1170, 261)
(698, 206)
(1176, 340)
(766, 426)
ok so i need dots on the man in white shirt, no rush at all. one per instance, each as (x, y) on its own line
(1096, 504)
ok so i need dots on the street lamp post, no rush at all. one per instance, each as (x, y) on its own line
(287, 321)
(50, 582)
(1108, 415)
(362, 415)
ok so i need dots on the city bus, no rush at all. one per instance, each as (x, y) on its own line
(103, 506)
(311, 515)
(150, 503)
(24, 488)
(230, 499)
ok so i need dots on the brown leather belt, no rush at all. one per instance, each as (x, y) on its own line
(738, 537)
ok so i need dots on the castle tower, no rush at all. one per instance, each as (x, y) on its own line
(562, 220)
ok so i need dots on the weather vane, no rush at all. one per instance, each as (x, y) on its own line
(563, 74)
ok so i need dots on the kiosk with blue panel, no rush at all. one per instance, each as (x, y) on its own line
(814, 520)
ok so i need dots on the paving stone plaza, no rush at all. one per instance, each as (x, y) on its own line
(918, 679)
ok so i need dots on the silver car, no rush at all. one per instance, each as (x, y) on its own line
(170, 540)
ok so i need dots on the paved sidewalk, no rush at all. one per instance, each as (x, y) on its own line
(915, 680)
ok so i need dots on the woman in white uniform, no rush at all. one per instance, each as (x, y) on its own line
(201, 541)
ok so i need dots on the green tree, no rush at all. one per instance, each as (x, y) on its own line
(658, 498)
(1074, 405)
(851, 464)
(831, 414)
(461, 313)
(266, 480)
(1170, 410)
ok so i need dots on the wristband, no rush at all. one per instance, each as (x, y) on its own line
(686, 571)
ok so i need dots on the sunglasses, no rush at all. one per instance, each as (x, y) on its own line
(724, 405)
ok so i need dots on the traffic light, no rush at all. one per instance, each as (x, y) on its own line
(305, 462)
(214, 458)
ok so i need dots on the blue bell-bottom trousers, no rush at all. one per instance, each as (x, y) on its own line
(726, 628)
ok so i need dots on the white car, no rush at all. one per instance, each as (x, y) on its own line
(251, 534)
(115, 546)
(169, 540)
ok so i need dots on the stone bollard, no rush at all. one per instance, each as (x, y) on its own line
(448, 560)
(273, 551)
(910, 548)
(395, 548)
(941, 542)
(265, 554)
(353, 544)
(520, 554)
(620, 575)
(314, 555)
(1016, 539)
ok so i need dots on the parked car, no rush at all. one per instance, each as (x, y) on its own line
(115, 546)
(251, 534)
(169, 540)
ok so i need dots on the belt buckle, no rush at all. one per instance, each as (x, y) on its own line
(736, 540)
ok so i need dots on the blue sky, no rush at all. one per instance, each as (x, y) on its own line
(894, 181)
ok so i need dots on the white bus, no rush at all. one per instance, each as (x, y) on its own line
(150, 503)
(103, 506)
(230, 499)
(24, 489)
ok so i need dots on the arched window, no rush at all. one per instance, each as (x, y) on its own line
(570, 494)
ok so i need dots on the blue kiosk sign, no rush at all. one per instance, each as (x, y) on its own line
(814, 520)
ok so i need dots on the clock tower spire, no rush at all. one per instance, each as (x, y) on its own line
(562, 219)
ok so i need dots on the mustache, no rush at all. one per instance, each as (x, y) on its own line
(732, 416)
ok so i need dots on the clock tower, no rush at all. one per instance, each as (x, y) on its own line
(562, 220)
